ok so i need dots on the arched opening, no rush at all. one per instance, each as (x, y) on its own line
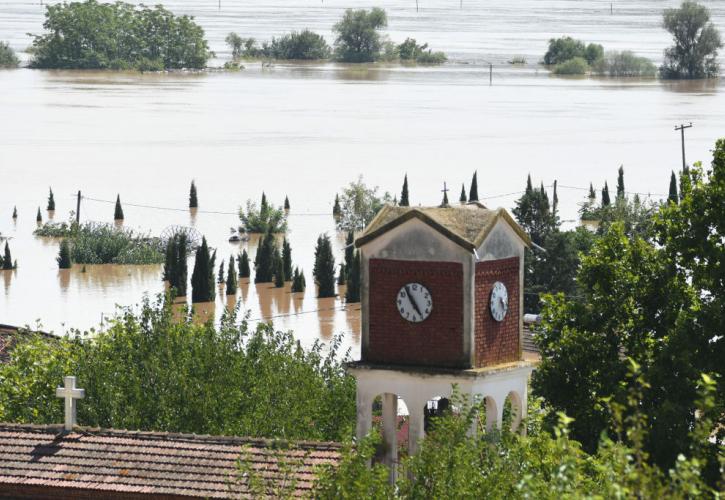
(436, 407)
(488, 416)
(390, 418)
(512, 412)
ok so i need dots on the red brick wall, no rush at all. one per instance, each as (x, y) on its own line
(496, 342)
(437, 341)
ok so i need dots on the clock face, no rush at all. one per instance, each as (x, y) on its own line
(499, 301)
(414, 302)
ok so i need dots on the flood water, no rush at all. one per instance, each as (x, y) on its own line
(306, 130)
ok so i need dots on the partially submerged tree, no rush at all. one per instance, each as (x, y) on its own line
(357, 37)
(15, 212)
(298, 281)
(38, 217)
(673, 196)
(462, 198)
(8, 59)
(279, 276)
(232, 280)
(175, 265)
(324, 267)
(336, 209)
(265, 219)
(193, 201)
(620, 182)
(244, 268)
(118, 210)
(264, 263)
(202, 277)
(286, 203)
(606, 201)
(8, 258)
(359, 204)
(51, 200)
(697, 41)
(287, 259)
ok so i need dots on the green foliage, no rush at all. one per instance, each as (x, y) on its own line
(473, 192)
(236, 43)
(566, 48)
(342, 275)
(606, 201)
(7, 260)
(404, 202)
(51, 200)
(357, 38)
(265, 219)
(620, 182)
(102, 244)
(193, 202)
(573, 66)
(533, 213)
(232, 280)
(358, 205)
(298, 281)
(264, 262)
(118, 210)
(243, 259)
(462, 198)
(220, 277)
(150, 371)
(697, 40)
(64, 258)
(8, 59)
(38, 217)
(624, 64)
(175, 266)
(56, 230)
(336, 208)
(279, 276)
(202, 277)
(15, 212)
(353, 280)
(287, 260)
(92, 35)
(302, 45)
(286, 203)
(410, 51)
(324, 271)
(673, 196)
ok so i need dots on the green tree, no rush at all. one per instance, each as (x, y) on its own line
(8, 258)
(359, 204)
(15, 212)
(357, 37)
(265, 219)
(232, 280)
(444, 202)
(404, 193)
(202, 277)
(673, 196)
(51, 200)
(279, 276)
(624, 64)
(38, 217)
(463, 198)
(353, 280)
(302, 45)
(694, 54)
(533, 213)
(244, 268)
(324, 267)
(605, 195)
(180, 273)
(286, 203)
(620, 182)
(8, 59)
(220, 276)
(264, 262)
(592, 194)
(193, 201)
(473, 192)
(118, 210)
(298, 281)
(566, 48)
(235, 42)
(287, 260)
(336, 208)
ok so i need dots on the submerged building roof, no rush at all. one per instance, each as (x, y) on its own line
(467, 225)
(44, 461)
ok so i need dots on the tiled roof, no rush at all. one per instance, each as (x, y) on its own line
(128, 464)
(468, 225)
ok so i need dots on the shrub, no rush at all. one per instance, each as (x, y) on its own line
(244, 270)
(103, 244)
(303, 45)
(64, 259)
(624, 63)
(430, 57)
(574, 66)
(357, 34)
(565, 48)
(8, 59)
(265, 219)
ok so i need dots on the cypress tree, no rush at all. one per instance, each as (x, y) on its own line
(529, 188)
(232, 277)
(38, 218)
(404, 194)
(8, 259)
(298, 281)
(170, 261)
(325, 267)
(673, 196)
(620, 182)
(51, 200)
(473, 193)
(220, 277)
(200, 283)
(264, 265)
(244, 271)
(463, 198)
(193, 201)
(349, 250)
(63, 259)
(336, 210)
(181, 270)
(318, 257)
(353, 281)
(287, 260)
(263, 204)
(210, 276)
(592, 194)
(279, 276)
(286, 203)
(605, 195)
(118, 212)
(555, 201)
(342, 276)
(15, 212)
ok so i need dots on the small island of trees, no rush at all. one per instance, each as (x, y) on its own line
(8, 59)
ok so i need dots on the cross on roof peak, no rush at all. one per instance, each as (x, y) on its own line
(70, 393)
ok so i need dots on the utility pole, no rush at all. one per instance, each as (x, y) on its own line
(682, 128)
(78, 208)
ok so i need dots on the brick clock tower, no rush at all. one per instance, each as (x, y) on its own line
(442, 304)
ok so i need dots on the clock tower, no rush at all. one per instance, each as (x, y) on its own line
(442, 305)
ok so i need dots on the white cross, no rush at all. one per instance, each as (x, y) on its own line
(70, 392)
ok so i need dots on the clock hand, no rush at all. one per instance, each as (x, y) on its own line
(412, 301)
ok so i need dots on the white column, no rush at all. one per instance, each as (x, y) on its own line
(416, 423)
(491, 414)
(364, 412)
(524, 407)
(390, 432)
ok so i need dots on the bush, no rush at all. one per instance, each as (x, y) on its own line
(624, 63)
(574, 66)
(358, 39)
(64, 259)
(92, 35)
(303, 45)
(566, 48)
(265, 219)
(8, 59)
(358, 205)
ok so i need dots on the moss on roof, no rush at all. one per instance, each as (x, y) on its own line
(468, 225)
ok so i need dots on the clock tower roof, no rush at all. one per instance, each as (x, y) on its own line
(467, 225)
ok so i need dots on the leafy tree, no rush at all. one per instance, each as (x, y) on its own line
(202, 277)
(620, 182)
(463, 198)
(118, 210)
(697, 41)
(244, 270)
(8, 258)
(92, 35)
(265, 219)
(359, 204)
(235, 42)
(193, 202)
(324, 267)
(573, 66)
(336, 208)
(287, 260)
(410, 51)
(38, 217)
(673, 196)
(353, 280)
(592, 194)
(286, 203)
(302, 45)
(605, 195)
(264, 262)
(8, 59)
(51, 200)
(533, 213)
(624, 64)
(566, 48)
(404, 193)
(357, 38)
(232, 280)
(473, 192)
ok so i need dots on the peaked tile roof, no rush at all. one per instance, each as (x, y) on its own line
(126, 464)
(467, 225)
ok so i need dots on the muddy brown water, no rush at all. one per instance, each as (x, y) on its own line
(305, 130)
